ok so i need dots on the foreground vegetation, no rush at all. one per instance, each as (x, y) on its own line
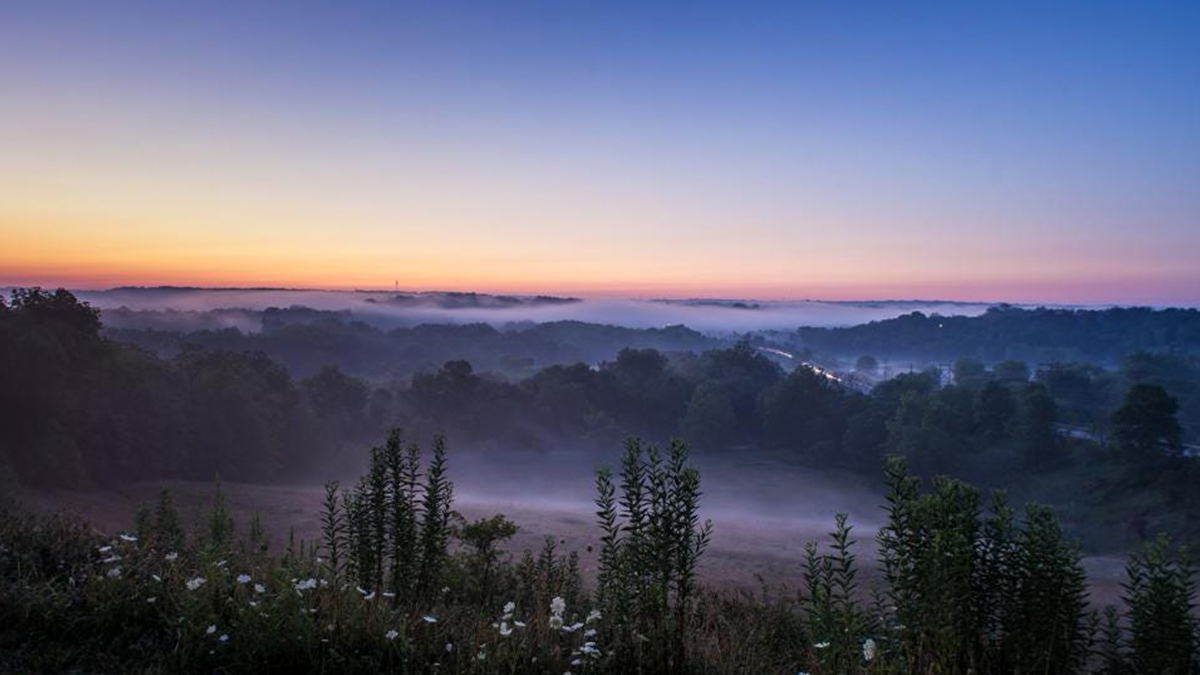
(399, 583)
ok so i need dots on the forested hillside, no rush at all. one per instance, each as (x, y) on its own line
(79, 409)
(1101, 337)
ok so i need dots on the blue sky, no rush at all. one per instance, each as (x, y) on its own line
(1020, 151)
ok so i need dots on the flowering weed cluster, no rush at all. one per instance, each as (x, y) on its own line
(963, 591)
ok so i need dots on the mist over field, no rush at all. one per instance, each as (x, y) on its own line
(599, 338)
(381, 308)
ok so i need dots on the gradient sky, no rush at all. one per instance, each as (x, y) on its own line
(1031, 152)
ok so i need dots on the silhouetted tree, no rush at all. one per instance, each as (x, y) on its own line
(1145, 425)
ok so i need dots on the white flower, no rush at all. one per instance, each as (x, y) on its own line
(429, 618)
(171, 557)
(221, 563)
(505, 629)
(573, 627)
(868, 649)
(361, 590)
(111, 559)
(243, 579)
(509, 608)
(259, 588)
(104, 549)
(556, 623)
(822, 645)
(593, 616)
(369, 596)
(307, 584)
(211, 630)
(388, 594)
(254, 603)
(114, 572)
(156, 577)
(224, 637)
(558, 606)
(591, 632)
(449, 647)
(193, 584)
(127, 537)
(391, 635)
(589, 648)
(519, 624)
(151, 600)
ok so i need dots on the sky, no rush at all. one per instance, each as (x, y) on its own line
(1009, 151)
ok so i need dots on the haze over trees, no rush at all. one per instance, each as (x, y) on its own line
(1036, 336)
(83, 409)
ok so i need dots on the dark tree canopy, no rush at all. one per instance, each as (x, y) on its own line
(1145, 425)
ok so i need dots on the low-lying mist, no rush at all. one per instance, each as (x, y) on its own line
(404, 309)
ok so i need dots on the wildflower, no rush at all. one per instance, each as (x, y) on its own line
(221, 563)
(591, 632)
(193, 584)
(509, 608)
(243, 579)
(505, 629)
(557, 607)
(111, 559)
(369, 596)
(259, 588)
(114, 573)
(481, 656)
(573, 627)
(307, 584)
(171, 557)
(104, 549)
(822, 645)
(127, 537)
(224, 637)
(388, 594)
(592, 616)
(589, 648)
(210, 630)
(429, 618)
(391, 635)
(151, 600)
(519, 624)
(156, 577)
(254, 603)
(868, 649)
(449, 647)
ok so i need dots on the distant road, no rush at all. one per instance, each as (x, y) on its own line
(1085, 434)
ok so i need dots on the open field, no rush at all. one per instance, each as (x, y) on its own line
(763, 512)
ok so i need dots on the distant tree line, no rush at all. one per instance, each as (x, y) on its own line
(1042, 335)
(305, 340)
